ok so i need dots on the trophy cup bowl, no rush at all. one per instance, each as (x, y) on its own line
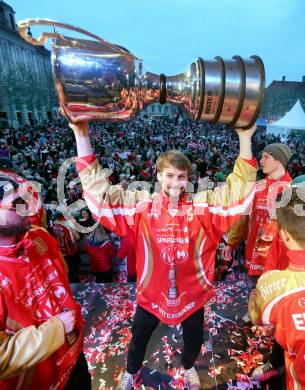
(100, 81)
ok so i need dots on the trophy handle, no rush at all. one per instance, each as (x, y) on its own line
(27, 23)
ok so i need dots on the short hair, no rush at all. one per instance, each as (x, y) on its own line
(6, 163)
(175, 158)
(291, 217)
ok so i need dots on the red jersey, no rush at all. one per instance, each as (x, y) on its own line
(33, 288)
(279, 299)
(255, 227)
(175, 247)
(277, 256)
(100, 256)
(65, 237)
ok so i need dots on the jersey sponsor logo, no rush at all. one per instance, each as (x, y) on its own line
(173, 302)
(174, 254)
(179, 314)
(173, 240)
(48, 304)
(43, 294)
(272, 287)
(172, 228)
(301, 302)
(299, 321)
(40, 245)
(255, 266)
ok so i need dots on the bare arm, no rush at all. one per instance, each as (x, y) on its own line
(109, 204)
(83, 143)
(245, 149)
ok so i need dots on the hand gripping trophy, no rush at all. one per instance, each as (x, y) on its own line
(100, 81)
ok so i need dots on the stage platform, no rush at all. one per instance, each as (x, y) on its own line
(227, 357)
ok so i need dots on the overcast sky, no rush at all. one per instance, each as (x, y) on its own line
(169, 34)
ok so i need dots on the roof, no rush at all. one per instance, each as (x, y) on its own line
(286, 84)
(295, 118)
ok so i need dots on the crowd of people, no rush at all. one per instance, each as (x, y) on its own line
(130, 151)
(135, 152)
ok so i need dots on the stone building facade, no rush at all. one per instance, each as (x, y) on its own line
(157, 110)
(27, 94)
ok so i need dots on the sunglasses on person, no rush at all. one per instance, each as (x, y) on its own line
(13, 206)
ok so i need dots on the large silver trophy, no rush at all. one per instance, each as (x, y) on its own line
(101, 81)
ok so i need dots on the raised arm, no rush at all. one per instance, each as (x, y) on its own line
(81, 133)
(110, 205)
(245, 146)
(227, 203)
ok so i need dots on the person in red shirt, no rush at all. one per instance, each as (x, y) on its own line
(258, 228)
(277, 255)
(259, 225)
(67, 238)
(277, 259)
(279, 297)
(101, 252)
(34, 288)
(176, 235)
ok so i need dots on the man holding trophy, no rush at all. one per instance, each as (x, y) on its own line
(174, 231)
(175, 234)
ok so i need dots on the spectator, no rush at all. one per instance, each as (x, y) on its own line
(277, 259)
(170, 217)
(259, 229)
(4, 152)
(36, 265)
(101, 252)
(279, 295)
(40, 151)
(67, 238)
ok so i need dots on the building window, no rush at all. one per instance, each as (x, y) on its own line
(12, 22)
(2, 19)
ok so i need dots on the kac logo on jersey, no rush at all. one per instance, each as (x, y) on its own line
(301, 302)
(174, 255)
(51, 302)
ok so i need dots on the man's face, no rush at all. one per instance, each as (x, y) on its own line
(269, 164)
(173, 181)
(12, 222)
